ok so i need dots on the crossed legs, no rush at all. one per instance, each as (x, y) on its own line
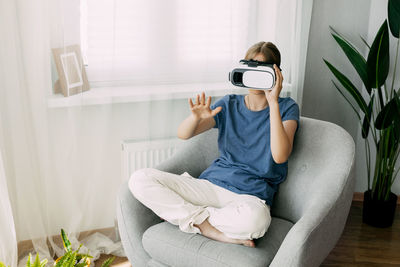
(198, 206)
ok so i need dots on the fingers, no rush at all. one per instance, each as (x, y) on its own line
(208, 101)
(200, 100)
(279, 77)
(203, 98)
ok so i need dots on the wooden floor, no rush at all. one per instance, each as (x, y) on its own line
(360, 244)
(364, 245)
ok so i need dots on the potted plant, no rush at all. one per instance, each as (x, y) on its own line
(379, 202)
(73, 258)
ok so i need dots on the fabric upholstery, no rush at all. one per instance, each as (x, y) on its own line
(167, 244)
(315, 198)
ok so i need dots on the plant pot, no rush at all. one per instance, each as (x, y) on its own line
(379, 213)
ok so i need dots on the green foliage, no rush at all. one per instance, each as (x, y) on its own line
(71, 258)
(378, 58)
(108, 262)
(373, 72)
(388, 114)
(349, 87)
(67, 244)
(37, 262)
(355, 58)
(367, 119)
(394, 17)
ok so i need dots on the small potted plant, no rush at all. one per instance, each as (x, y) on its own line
(379, 202)
(73, 258)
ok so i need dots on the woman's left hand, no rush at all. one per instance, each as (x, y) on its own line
(272, 95)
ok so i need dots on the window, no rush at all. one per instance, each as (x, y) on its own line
(169, 41)
(131, 43)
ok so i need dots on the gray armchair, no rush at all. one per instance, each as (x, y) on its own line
(308, 214)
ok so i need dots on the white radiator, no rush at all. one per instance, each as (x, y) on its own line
(146, 154)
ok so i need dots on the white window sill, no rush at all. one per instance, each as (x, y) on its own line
(114, 95)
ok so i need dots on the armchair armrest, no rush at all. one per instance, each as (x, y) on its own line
(133, 220)
(312, 238)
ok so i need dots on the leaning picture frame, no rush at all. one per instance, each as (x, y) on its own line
(72, 78)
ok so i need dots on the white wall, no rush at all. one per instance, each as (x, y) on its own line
(321, 100)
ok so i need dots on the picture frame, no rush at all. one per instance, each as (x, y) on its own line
(72, 78)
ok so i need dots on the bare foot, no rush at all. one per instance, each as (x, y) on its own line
(211, 232)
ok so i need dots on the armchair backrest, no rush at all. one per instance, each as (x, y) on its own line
(318, 169)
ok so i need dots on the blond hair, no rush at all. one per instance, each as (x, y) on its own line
(267, 49)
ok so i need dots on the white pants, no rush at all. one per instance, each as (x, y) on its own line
(183, 200)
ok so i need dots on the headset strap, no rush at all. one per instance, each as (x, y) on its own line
(256, 63)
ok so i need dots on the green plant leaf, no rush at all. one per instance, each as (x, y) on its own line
(367, 119)
(394, 17)
(378, 58)
(28, 262)
(67, 244)
(63, 259)
(82, 257)
(37, 261)
(340, 91)
(388, 140)
(365, 42)
(72, 260)
(2, 264)
(388, 113)
(397, 120)
(349, 87)
(355, 58)
(108, 262)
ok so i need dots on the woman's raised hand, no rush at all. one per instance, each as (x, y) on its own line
(273, 95)
(201, 110)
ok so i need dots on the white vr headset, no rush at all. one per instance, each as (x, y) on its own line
(253, 74)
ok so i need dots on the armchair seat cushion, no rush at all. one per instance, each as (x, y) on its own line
(165, 243)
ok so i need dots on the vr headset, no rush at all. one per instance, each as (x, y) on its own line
(253, 74)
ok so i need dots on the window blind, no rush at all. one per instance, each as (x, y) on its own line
(159, 41)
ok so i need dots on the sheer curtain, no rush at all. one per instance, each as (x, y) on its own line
(8, 245)
(56, 160)
(62, 156)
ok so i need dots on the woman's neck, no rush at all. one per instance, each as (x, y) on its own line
(256, 100)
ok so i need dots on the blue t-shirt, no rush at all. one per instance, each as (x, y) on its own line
(245, 164)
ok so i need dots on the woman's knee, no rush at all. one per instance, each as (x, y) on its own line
(139, 180)
(257, 218)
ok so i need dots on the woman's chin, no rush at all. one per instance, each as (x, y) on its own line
(256, 92)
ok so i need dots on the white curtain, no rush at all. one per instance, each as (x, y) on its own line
(8, 245)
(62, 156)
(57, 161)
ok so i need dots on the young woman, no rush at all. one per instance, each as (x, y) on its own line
(231, 199)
